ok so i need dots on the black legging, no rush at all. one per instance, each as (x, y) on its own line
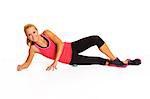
(83, 44)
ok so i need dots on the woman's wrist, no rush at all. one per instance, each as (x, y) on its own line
(25, 65)
(55, 61)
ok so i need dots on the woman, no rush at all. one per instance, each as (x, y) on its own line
(50, 46)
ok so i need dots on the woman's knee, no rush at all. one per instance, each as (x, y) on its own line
(99, 40)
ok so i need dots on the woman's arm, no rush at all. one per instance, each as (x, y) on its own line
(28, 60)
(59, 45)
(57, 41)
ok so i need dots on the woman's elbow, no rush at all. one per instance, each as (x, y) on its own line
(60, 43)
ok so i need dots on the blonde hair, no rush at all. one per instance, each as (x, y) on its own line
(29, 43)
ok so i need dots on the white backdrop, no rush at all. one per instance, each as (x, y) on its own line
(122, 24)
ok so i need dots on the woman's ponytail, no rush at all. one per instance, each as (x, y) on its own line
(29, 43)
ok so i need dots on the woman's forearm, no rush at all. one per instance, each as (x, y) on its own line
(59, 51)
(25, 65)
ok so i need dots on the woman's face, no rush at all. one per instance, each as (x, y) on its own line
(32, 34)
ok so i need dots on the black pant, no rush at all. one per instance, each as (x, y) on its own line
(83, 44)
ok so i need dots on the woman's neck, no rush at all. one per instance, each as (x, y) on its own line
(41, 41)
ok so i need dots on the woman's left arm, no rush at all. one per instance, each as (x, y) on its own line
(59, 44)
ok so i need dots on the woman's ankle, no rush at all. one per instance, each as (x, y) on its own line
(107, 61)
(112, 59)
(125, 62)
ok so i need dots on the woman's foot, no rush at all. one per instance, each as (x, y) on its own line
(133, 62)
(117, 63)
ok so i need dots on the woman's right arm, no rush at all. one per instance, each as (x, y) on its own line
(28, 60)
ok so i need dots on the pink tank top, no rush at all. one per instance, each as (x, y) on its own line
(51, 50)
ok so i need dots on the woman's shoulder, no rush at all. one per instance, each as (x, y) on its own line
(44, 33)
(34, 49)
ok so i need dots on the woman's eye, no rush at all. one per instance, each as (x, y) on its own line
(29, 34)
(34, 32)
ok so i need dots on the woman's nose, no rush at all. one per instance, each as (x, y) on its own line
(32, 37)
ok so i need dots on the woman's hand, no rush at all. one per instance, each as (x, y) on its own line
(20, 67)
(52, 66)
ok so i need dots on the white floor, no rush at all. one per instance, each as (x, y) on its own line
(91, 81)
(123, 24)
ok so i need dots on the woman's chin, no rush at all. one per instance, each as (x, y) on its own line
(35, 40)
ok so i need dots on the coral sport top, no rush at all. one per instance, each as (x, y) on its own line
(51, 50)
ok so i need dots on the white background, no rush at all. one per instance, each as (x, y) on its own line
(123, 24)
